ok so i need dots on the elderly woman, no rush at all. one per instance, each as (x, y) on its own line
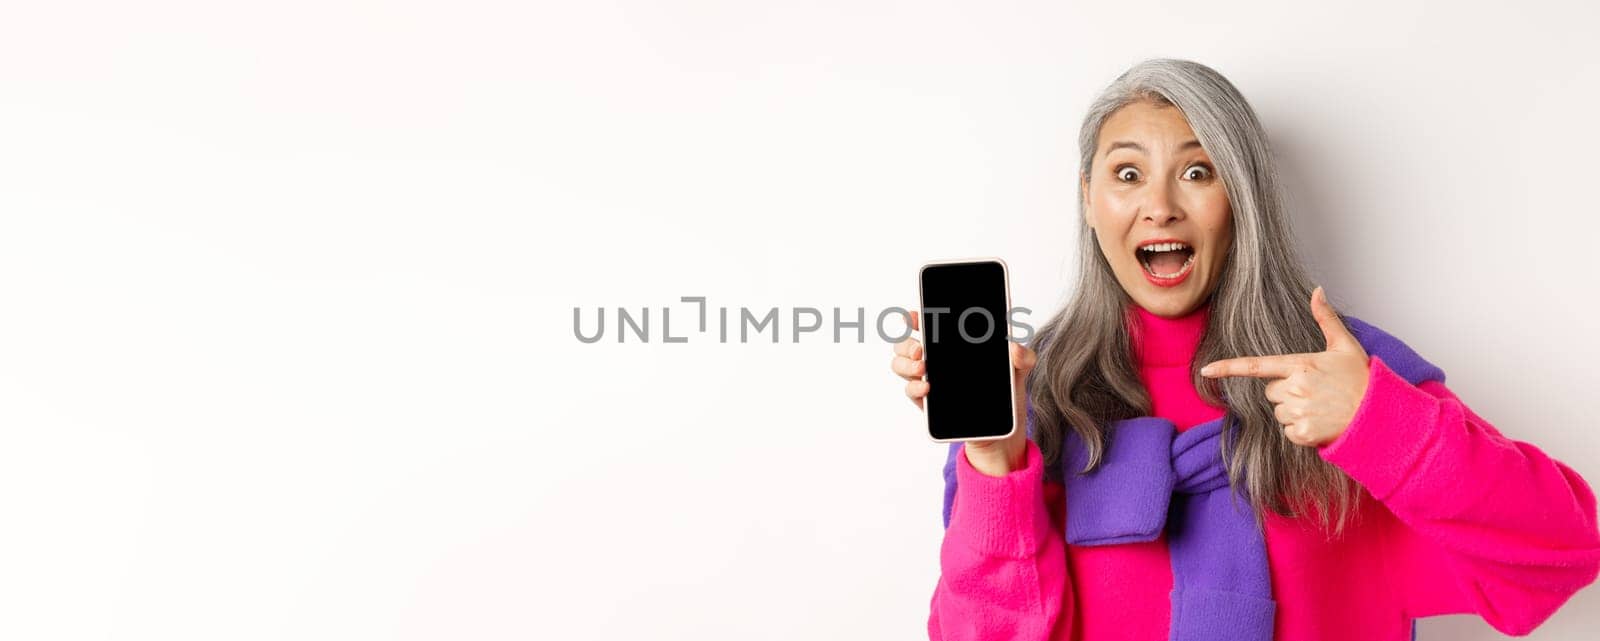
(1316, 479)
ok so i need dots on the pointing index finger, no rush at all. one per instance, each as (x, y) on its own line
(1256, 366)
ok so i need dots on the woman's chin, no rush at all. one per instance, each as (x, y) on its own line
(1166, 302)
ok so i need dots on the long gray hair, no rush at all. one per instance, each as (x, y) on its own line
(1261, 306)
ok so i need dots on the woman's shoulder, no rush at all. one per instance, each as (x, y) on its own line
(1399, 356)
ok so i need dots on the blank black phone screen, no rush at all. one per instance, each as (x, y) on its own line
(966, 355)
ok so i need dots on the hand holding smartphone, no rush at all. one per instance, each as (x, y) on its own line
(968, 356)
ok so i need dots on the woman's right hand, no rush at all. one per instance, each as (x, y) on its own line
(997, 457)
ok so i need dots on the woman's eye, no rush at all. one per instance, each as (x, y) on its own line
(1197, 172)
(1127, 174)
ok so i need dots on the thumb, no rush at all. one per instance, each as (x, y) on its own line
(1333, 330)
(1022, 358)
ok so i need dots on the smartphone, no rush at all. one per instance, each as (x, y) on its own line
(966, 332)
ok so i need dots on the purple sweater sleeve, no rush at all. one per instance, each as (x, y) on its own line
(1002, 564)
(1484, 524)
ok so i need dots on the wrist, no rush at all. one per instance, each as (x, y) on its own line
(997, 459)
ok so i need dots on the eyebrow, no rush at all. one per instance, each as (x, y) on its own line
(1120, 144)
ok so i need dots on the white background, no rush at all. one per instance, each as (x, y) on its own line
(286, 345)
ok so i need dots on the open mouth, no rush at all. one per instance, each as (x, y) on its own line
(1166, 260)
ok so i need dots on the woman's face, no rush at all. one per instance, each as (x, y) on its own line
(1151, 181)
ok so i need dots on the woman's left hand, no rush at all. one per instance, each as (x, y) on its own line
(1316, 395)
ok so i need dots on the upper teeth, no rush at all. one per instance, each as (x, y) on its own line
(1164, 247)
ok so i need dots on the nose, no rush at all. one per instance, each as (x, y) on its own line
(1162, 207)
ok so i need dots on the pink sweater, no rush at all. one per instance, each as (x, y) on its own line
(1456, 518)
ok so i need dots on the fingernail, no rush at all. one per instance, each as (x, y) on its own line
(1207, 370)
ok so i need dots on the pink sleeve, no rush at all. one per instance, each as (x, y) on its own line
(1486, 525)
(1002, 564)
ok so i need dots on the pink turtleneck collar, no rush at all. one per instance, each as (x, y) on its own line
(1167, 341)
(1163, 349)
